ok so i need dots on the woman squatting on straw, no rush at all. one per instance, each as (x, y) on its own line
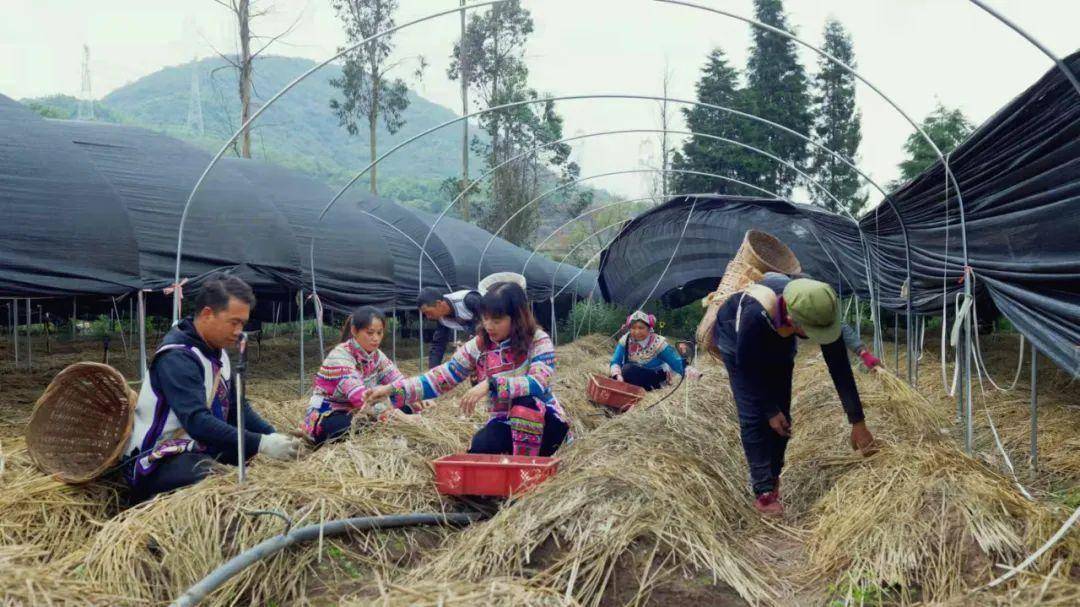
(514, 362)
(643, 357)
(354, 378)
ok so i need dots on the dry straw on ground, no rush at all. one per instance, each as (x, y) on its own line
(37, 510)
(495, 592)
(927, 517)
(25, 581)
(670, 478)
(156, 550)
(660, 489)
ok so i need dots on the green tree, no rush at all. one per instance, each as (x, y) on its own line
(492, 52)
(837, 125)
(718, 85)
(946, 128)
(48, 111)
(367, 90)
(777, 90)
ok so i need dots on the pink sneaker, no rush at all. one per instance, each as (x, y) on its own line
(768, 504)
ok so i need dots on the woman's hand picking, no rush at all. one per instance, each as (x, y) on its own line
(472, 397)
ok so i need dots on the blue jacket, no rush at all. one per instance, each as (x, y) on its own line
(668, 356)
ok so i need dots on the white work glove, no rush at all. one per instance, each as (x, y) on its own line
(279, 446)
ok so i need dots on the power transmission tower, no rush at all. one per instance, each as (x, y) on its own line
(86, 99)
(194, 112)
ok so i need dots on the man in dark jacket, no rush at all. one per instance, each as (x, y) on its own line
(755, 333)
(457, 311)
(185, 417)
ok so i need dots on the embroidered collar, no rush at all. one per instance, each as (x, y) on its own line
(359, 353)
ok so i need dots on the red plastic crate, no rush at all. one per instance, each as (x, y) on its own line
(613, 393)
(491, 475)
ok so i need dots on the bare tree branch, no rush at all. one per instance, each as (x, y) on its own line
(274, 39)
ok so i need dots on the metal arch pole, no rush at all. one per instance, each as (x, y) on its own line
(554, 330)
(29, 346)
(420, 331)
(1034, 411)
(416, 244)
(588, 309)
(732, 111)
(813, 232)
(693, 205)
(300, 305)
(74, 315)
(270, 102)
(896, 340)
(674, 252)
(969, 433)
(858, 316)
(574, 182)
(13, 305)
(591, 211)
(587, 261)
(853, 72)
(1033, 40)
(810, 180)
(142, 335)
(626, 96)
(315, 304)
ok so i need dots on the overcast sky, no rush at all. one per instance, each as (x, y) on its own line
(916, 51)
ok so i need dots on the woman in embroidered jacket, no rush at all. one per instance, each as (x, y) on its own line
(642, 357)
(350, 378)
(514, 361)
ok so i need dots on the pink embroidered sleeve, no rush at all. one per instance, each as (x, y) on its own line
(438, 380)
(388, 371)
(338, 378)
(537, 379)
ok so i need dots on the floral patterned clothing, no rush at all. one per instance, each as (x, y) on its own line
(518, 385)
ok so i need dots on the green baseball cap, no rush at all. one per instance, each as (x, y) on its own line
(813, 305)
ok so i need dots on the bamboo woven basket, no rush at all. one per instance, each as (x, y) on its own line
(759, 252)
(767, 253)
(81, 423)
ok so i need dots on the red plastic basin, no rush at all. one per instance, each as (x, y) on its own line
(613, 393)
(491, 475)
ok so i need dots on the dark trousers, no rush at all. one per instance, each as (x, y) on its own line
(337, 424)
(650, 379)
(174, 472)
(495, 437)
(764, 448)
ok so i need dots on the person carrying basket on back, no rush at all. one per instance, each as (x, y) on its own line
(756, 333)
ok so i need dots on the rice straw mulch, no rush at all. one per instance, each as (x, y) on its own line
(37, 510)
(650, 494)
(496, 592)
(25, 581)
(157, 549)
(928, 521)
(623, 486)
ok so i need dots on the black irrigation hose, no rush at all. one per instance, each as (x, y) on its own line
(272, 546)
(668, 395)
